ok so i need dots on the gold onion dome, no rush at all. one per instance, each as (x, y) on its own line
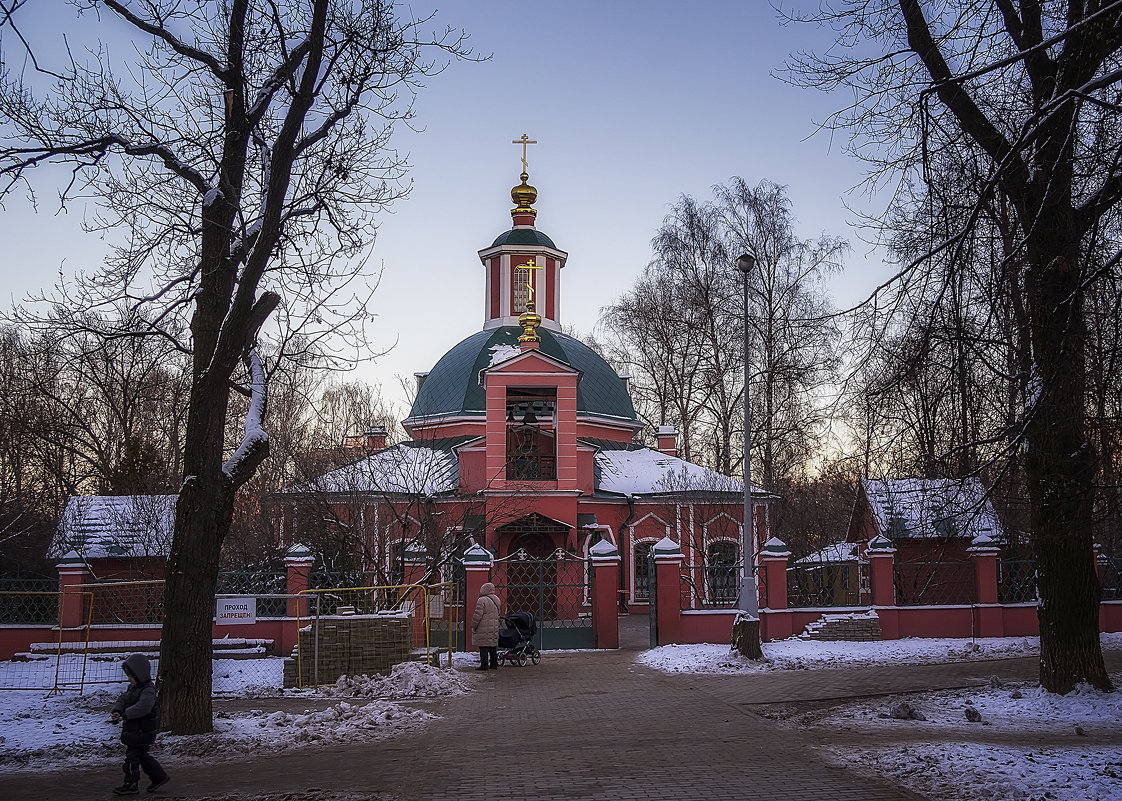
(523, 196)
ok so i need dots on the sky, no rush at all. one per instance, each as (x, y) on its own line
(632, 103)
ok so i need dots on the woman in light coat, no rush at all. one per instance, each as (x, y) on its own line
(485, 627)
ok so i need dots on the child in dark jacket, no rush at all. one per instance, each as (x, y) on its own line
(137, 709)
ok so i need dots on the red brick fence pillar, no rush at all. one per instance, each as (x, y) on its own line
(668, 584)
(988, 617)
(477, 570)
(298, 562)
(775, 619)
(882, 568)
(415, 561)
(605, 594)
(72, 574)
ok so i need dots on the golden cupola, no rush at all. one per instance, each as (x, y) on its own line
(523, 196)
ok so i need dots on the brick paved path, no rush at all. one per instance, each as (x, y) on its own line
(590, 725)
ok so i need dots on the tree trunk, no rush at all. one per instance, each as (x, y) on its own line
(746, 637)
(1060, 464)
(202, 518)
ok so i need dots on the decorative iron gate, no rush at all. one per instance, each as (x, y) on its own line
(555, 590)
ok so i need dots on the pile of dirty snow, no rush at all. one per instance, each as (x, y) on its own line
(406, 680)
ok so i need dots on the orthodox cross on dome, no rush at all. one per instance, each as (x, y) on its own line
(524, 141)
(529, 267)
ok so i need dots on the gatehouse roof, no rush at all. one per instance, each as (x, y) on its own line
(125, 526)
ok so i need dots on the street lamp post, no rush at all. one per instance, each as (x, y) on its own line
(746, 629)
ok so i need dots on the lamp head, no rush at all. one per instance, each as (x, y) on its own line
(746, 263)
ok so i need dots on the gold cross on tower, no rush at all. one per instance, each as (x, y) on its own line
(530, 267)
(525, 140)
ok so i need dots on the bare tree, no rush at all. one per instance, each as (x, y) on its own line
(1029, 90)
(793, 334)
(32, 490)
(244, 152)
(679, 331)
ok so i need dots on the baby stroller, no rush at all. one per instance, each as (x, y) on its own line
(516, 641)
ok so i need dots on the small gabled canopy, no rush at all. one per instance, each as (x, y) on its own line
(503, 357)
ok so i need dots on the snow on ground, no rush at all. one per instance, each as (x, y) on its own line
(47, 730)
(979, 772)
(1025, 747)
(795, 654)
(1028, 744)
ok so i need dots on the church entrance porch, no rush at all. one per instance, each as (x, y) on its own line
(539, 576)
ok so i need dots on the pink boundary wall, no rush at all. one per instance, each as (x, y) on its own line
(715, 626)
(984, 619)
(674, 625)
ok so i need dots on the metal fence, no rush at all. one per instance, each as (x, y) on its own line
(259, 583)
(934, 583)
(132, 603)
(28, 601)
(1112, 579)
(828, 584)
(710, 586)
(1016, 581)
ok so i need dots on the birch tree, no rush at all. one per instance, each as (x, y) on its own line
(239, 155)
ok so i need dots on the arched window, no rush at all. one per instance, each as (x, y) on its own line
(721, 563)
(641, 568)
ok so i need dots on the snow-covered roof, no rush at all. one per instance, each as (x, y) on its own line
(102, 526)
(409, 468)
(838, 552)
(644, 471)
(912, 507)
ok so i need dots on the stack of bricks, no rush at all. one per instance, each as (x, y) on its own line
(848, 628)
(349, 646)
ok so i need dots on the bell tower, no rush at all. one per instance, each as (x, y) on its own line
(522, 264)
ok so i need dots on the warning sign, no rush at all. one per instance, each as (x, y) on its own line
(236, 611)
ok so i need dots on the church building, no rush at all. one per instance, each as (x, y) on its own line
(522, 440)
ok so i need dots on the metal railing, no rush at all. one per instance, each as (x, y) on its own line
(1016, 581)
(710, 586)
(1112, 579)
(825, 585)
(263, 583)
(934, 583)
(26, 601)
(135, 603)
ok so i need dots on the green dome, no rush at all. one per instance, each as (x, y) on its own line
(523, 236)
(452, 387)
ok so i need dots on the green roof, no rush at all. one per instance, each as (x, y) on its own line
(452, 387)
(523, 236)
